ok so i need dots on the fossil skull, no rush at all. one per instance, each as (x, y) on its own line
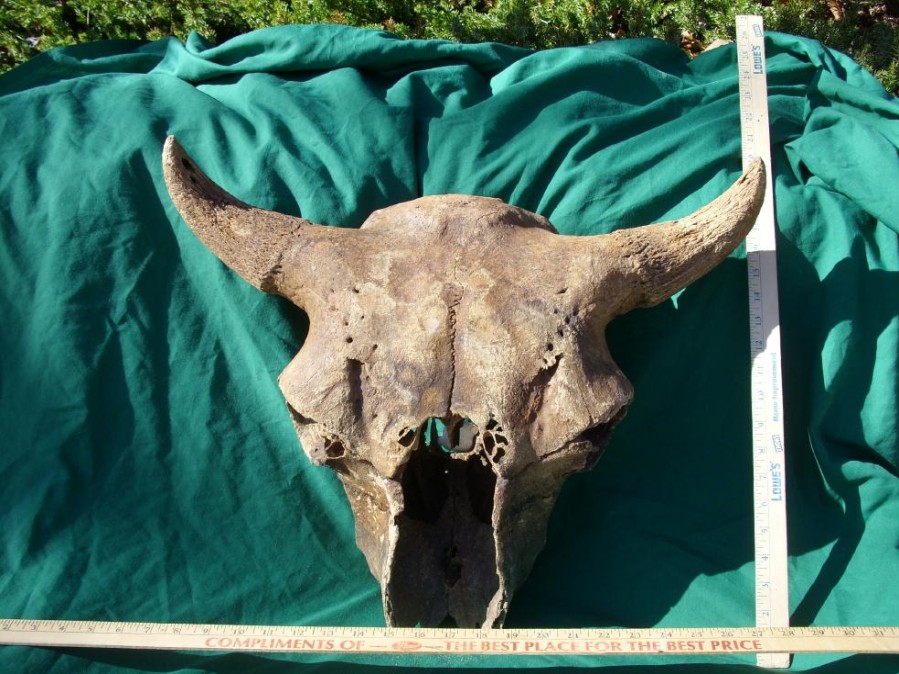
(456, 369)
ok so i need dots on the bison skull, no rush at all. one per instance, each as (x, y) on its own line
(456, 370)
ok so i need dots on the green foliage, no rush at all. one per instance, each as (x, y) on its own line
(866, 30)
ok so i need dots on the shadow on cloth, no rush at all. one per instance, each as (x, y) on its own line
(244, 663)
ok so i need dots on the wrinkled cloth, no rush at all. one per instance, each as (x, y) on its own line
(150, 471)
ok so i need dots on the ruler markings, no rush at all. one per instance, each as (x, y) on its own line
(565, 642)
(769, 492)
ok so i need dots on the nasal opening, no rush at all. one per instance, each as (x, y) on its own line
(443, 569)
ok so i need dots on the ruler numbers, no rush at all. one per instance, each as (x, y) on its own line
(769, 492)
(698, 641)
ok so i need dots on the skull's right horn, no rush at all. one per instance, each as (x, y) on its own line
(252, 241)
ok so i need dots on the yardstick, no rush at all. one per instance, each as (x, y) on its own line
(772, 605)
(442, 641)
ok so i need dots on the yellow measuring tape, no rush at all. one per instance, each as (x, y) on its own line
(349, 640)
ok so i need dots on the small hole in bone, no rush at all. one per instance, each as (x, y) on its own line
(356, 289)
(568, 320)
(489, 442)
(407, 437)
(348, 340)
(186, 164)
(549, 346)
(334, 448)
(562, 291)
(354, 372)
(501, 439)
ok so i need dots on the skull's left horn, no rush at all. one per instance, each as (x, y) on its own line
(667, 257)
(251, 241)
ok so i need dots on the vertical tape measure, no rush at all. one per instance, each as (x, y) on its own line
(772, 604)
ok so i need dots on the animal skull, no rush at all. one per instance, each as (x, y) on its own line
(456, 369)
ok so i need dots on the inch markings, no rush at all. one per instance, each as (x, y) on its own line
(436, 641)
(769, 481)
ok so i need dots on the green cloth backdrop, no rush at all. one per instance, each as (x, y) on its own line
(150, 471)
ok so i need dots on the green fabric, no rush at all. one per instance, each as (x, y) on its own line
(149, 468)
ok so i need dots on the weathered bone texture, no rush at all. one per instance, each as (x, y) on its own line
(476, 314)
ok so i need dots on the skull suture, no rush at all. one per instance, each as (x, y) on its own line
(456, 370)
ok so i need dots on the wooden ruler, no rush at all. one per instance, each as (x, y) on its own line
(769, 479)
(346, 640)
